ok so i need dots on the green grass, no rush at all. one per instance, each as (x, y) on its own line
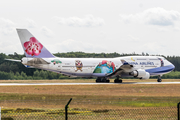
(83, 100)
(146, 104)
(83, 114)
(130, 107)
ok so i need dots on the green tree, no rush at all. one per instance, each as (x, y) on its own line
(23, 75)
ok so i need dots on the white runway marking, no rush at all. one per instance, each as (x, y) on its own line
(21, 84)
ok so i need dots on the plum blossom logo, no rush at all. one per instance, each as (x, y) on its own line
(33, 47)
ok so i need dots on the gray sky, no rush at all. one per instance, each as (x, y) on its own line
(122, 26)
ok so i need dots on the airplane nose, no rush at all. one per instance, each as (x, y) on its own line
(173, 67)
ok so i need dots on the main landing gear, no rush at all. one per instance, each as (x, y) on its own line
(159, 79)
(102, 80)
(117, 80)
(106, 80)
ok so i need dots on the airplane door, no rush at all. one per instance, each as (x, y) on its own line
(161, 62)
(59, 67)
(52, 66)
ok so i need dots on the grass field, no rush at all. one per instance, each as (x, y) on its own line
(49, 101)
(89, 96)
(86, 114)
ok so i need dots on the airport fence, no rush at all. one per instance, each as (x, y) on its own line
(85, 109)
(169, 113)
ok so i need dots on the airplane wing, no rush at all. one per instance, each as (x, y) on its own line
(125, 65)
(128, 69)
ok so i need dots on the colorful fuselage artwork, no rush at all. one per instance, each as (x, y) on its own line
(56, 61)
(105, 67)
(79, 65)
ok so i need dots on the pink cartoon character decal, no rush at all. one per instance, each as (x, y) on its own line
(33, 47)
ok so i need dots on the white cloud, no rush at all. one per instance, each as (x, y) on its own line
(177, 29)
(87, 21)
(10, 48)
(103, 34)
(153, 16)
(153, 48)
(31, 23)
(75, 45)
(47, 32)
(163, 29)
(134, 39)
(6, 26)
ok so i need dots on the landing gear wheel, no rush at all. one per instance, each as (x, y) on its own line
(107, 81)
(98, 80)
(102, 80)
(117, 81)
(159, 80)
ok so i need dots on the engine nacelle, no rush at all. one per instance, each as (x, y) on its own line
(24, 60)
(146, 77)
(140, 73)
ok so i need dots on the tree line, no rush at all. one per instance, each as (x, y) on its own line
(15, 70)
(37, 75)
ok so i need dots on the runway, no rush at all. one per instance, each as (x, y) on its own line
(24, 84)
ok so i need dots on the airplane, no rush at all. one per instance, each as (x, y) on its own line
(142, 67)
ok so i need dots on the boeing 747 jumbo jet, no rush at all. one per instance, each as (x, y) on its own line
(142, 67)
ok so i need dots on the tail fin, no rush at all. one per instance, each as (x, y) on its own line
(32, 47)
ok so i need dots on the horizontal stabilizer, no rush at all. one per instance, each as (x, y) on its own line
(13, 60)
(37, 61)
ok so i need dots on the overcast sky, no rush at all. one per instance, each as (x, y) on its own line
(122, 26)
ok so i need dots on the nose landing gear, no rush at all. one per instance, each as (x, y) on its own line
(159, 79)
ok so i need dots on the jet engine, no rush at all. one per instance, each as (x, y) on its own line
(140, 73)
(146, 76)
(24, 61)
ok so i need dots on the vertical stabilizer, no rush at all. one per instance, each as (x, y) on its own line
(32, 47)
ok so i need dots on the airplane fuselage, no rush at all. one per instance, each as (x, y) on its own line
(37, 56)
(101, 67)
